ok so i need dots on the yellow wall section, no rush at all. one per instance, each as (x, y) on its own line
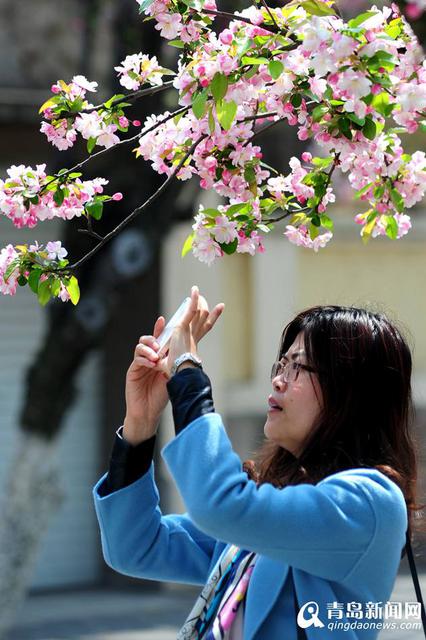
(387, 277)
(238, 317)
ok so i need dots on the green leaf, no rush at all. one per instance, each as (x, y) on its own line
(199, 104)
(244, 46)
(355, 22)
(254, 61)
(10, 269)
(145, 4)
(317, 8)
(33, 279)
(59, 196)
(367, 229)
(22, 281)
(381, 59)
(55, 287)
(118, 96)
(212, 123)
(296, 100)
(391, 227)
(322, 163)
(187, 245)
(52, 102)
(44, 292)
(369, 129)
(397, 199)
(176, 43)
(237, 208)
(361, 192)
(95, 209)
(275, 69)
(354, 118)
(219, 86)
(74, 290)
(250, 174)
(344, 125)
(379, 191)
(211, 213)
(313, 231)
(261, 40)
(327, 222)
(319, 112)
(229, 247)
(91, 144)
(226, 112)
(380, 103)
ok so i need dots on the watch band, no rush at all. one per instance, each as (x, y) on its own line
(185, 357)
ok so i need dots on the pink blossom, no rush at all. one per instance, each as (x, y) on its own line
(7, 256)
(169, 25)
(107, 138)
(413, 11)
(82, 82)
(56, 251)
(354, 83)
(225, 230)
(63, 294)
(117, 196)
(137, 69)
(226, 36)
(60, 136)
(251, 244)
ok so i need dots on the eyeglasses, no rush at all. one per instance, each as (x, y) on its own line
(289, 371)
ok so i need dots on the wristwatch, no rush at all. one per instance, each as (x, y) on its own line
(185, 357)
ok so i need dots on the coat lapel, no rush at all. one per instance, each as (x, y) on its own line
(266, 582)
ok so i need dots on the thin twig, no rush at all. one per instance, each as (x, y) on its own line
(149, 91)
(270, 13)
(233, 16)
(265, 128)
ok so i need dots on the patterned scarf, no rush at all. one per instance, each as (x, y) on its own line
(216, 607)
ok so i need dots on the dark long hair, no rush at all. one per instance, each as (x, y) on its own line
(364, 371)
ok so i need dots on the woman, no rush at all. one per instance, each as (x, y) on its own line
(316, 526)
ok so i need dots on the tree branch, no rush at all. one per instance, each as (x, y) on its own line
(271, 15)
(149, 91)
(233, 16)
(134, 213)
(125, 141)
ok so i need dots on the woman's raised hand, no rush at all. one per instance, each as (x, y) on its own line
(146, 379)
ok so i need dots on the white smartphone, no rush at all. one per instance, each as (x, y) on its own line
(164, 337)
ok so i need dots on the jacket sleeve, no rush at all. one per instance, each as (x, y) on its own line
(138, 540)
(323, 529)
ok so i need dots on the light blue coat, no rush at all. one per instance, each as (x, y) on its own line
(343, 537)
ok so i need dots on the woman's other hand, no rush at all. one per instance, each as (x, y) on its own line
(146, 391)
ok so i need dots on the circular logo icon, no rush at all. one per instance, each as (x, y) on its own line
(311, 618)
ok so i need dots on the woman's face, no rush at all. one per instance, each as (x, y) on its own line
(293, 406)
